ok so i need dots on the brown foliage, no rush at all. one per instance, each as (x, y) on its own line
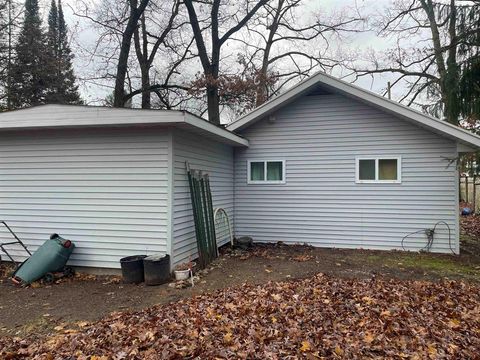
(234, 90)
(319, 317)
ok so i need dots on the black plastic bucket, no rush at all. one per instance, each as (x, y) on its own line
(156, 269)
(132, 269)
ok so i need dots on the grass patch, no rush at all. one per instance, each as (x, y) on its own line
(435, 264)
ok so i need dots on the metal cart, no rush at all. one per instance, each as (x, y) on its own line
(16, 242)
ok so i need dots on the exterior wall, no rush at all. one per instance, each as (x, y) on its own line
(105, 189)
(214, 158)
(320, 204)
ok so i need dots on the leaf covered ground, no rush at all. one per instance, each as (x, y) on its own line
(317, 317)
(471, 225)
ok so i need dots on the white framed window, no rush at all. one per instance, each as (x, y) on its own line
(266, 171)
(378, 169)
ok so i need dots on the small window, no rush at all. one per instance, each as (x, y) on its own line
(378, 170)
(266, 172)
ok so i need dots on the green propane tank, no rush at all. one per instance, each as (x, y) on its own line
(50, 257)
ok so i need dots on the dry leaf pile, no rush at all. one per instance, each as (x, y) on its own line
(471, 225)
(319, 317)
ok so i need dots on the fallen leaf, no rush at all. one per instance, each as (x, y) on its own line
(227, 338)
(432, 350)
(276, 297)
(368, 337)
(339, 351)
(454, 323)
(385, 313)
(305, 346)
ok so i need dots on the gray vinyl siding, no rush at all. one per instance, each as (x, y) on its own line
(213, 158)
(320, 204)
(105, 189)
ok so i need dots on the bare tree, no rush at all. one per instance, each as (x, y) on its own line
(280, 45)
(426, 56)
(162, 42)
(106, 20)
(298, 42)
(146, 57)
(210, 60)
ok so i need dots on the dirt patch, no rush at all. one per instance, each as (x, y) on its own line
(41, 309)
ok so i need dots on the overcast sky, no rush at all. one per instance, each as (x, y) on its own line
(85, 37)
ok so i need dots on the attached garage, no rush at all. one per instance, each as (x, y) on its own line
(104, 178)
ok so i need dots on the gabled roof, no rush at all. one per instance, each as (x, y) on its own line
(56, 116)
(331, 84)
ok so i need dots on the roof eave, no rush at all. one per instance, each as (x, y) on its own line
(441, 127)
(227, 136)
(95, 119)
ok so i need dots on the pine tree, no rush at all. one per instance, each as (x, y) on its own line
(30, 71)
(62, 88)
(9, 11)
(3, 52)
(52, 34)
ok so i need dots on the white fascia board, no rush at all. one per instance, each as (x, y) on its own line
(215, 130)
(77, 116)
(62, 116)
(336, 85)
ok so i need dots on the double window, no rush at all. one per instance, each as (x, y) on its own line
(378, 169)
(266, 172)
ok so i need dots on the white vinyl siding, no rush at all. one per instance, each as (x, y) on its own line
(213, 158)
(320, 138)
(105, 189)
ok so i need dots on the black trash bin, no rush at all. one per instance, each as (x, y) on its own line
(156, 269)
(132, 269)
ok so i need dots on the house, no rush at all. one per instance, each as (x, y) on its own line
(325, 163)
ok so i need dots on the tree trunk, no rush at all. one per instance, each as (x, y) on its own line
(213, 103)
(262, 91)
(448, 74)
(213, 98)
(119, 93)
(122, 66)
(452, 74)
(143, 61)
(146, 96)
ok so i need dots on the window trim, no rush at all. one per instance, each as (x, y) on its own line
(377, 158)
(265, 181)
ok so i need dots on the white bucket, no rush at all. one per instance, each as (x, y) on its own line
(181, 274)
